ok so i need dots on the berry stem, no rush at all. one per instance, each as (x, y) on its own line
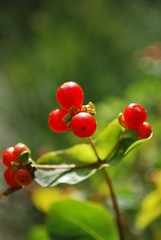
(115, 204)
(94, 149)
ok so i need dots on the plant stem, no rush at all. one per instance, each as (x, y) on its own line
(8, 192)
(112, 193)
(96, 164)
(115, 205)
(66, 166)
(94, 149)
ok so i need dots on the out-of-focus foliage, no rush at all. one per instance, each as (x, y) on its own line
(112, 49)
(44, 43)
(94, 222)
(38, 232)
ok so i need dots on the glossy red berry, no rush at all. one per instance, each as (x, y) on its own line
(144, 130)
(23, 177)
(70, 94)
(8, 156)
(19, 148)
(9, 176)
(83, 124)
(134, 115)
(56, 122)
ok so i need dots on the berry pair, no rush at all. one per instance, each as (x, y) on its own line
(73, 115)
(18, 173)
(134, 117)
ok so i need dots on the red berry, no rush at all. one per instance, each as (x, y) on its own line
(23, 177)
(134, 115)
(56, 122)
(9, 176)
(8, 156)
(19, 148)
(70, 94)
(83, 124)
(144, 130)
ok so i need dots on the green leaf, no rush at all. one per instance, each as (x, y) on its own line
(127, 142)
(83, 153)
(50, 178)
(71, 219)
(112, 145)
(108, 139)
(115, 143)
(38, 232)
(150, 209)
(80, 153)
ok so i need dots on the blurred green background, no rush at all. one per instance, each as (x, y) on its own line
(113, 50)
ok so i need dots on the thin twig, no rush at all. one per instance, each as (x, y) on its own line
(112, 193)
(8, 192)
(94, 149)
(115, 205)
(65, 166)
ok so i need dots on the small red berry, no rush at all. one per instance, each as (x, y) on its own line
(134, 115)
(56, 122)
(19, 148)
(144, 130)
(83, 124)
(9, 176)
(8, 156)
(70, 94)
(23, 177)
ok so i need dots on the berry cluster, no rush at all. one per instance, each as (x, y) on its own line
(134, 117)
(72, 115)
(18, 173)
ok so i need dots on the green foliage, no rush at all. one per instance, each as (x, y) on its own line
(71, 219)
(97, 43)
(150, 209)
(38, 232)
(50, 178)
(80, 153)
(115, 143)
(112, 145)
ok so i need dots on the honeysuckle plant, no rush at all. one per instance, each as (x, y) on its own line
(79, 162)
